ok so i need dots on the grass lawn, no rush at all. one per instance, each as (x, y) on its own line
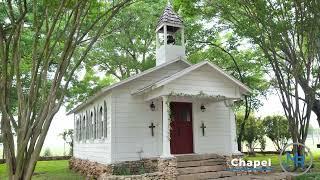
(315, 171)
(47, 170)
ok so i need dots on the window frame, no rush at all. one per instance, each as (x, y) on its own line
(105, 119)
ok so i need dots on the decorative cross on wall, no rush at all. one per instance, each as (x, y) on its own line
(203, 128)
(151, 127)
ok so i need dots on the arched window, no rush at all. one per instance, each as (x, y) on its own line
(77, 128)
(100, 122)
(83, 131)
(87, 126)
(95, 124)
(91, 125)
(105, 120)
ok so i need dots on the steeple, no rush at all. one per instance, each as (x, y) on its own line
(170, 36)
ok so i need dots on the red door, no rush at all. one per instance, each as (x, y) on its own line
(181, 128)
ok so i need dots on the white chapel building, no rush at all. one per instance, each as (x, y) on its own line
(174, 108)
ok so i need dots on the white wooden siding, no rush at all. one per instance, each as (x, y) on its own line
(98, 150)
(218, 133)
(132, 118)
(205, 80)
(132, 134)
(129, 117)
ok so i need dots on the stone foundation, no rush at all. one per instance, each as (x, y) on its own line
(89, 168)
(136, 167)
(156, 169)
(163, 169)
(168, 167)
(147, 176)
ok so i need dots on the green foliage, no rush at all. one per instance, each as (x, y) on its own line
(47, 152)
(80, 90)
(254, 132)
(132, 45)
(131, 48)
(287, 32)
(128, 50)
(42, 45)
(209, 39)
(121, 170)
(277, 130)
(67, 136)
(262, 142)
(142, 170)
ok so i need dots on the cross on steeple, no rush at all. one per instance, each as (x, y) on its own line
(151, 127)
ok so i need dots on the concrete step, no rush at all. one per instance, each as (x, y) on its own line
(197, 157)
(206, 175)
(207, 162)
(201, 169)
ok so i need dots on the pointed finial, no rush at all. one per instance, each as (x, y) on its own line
(169, 3)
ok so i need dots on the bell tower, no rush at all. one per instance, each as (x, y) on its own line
(170, 37)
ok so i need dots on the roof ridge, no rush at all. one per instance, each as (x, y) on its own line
(110, 87)
(182, 72)
(167, 77)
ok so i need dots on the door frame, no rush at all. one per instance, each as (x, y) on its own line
(192, 124)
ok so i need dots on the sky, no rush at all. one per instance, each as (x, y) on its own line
(272, 105)
(53, 140)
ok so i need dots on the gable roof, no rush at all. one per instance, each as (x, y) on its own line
(108, 88)
(167, 80)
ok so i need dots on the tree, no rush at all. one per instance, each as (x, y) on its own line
(287, 33)
(47, 152)
(131, 50)
(42, 44)
(86, 87)
(254, 132)
(277, 130)
(67, 136)
(1, 142)
(246, 65)
(208, 40)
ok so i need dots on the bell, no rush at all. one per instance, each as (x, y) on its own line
(171, 40)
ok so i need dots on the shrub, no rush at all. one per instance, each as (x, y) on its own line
(253, 132)
(277, 130)
(47, 153)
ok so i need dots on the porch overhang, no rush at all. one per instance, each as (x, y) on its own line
(191, 96)
(181, 84)
(243, 89)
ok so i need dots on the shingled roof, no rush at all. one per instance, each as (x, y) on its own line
(169, 16)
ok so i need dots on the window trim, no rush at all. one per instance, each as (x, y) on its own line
(105, 119)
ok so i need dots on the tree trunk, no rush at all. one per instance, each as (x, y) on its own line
(21, 159)
(239, 141)
(316, 109)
